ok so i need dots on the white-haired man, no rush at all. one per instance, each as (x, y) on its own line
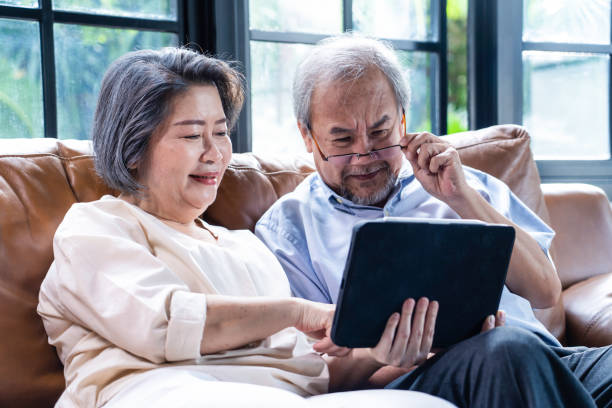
(350, 99)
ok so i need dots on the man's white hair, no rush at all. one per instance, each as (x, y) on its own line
(345, 57)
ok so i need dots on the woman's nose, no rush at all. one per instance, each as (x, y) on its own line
(211, 151)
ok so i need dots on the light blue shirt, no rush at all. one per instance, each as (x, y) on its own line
(309, 230)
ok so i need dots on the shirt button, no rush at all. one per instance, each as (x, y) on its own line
(339, 200)
(386, 213)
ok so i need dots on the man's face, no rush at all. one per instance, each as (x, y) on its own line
(356, 117)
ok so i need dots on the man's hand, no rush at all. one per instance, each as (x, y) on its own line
(436, 165)
(492, 322)
(407, 338)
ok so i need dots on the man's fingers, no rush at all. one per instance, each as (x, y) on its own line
(428, 152)
(419, 139)
(418, 327)
(442, 159)
(386, 340)
(407, 138)
(500, 318)
(400, 342)
(430, 327)
(488, 324)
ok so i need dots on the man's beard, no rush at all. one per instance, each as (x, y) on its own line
(376, 197)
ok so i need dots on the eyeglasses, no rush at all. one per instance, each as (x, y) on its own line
(375, 154)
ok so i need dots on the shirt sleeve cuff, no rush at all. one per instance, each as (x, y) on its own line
(185, 326)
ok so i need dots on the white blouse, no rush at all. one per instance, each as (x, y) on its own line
(127, 294)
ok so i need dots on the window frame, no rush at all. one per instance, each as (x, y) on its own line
(233, 38)
(46, 17)
(495, 38)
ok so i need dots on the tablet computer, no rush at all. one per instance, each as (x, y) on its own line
(460, 263)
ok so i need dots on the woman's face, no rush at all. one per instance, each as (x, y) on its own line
(187, 157)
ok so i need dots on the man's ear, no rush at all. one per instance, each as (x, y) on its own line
(305, 136)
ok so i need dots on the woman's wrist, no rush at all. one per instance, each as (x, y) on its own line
(296, 306)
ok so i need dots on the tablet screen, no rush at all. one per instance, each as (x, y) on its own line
(461, 264)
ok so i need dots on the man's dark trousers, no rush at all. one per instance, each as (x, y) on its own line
(512, 367)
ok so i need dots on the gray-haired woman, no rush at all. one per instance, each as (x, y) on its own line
(148, 304)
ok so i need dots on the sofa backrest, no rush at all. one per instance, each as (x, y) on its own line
(41, 178)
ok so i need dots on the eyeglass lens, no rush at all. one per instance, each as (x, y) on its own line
(378, 154)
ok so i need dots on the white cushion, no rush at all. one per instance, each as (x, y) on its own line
(377, 398)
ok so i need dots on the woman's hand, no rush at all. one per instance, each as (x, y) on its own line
(315, 319)
(407, 338)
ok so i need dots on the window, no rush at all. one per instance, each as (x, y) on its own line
(280, 33)
(566, 84)
(552, 74)
(54, 53)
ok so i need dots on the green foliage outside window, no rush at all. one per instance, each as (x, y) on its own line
(456, 13)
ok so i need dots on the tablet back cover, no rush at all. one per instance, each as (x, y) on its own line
(460, 264)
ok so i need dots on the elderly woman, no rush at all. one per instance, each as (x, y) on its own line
(148, 304)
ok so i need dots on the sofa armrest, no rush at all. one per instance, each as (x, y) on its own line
(581, 216)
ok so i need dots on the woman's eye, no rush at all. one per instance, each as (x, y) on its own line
(221, 134)
(191, 137)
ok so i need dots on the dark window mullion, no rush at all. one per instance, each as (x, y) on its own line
(48, 69)
(243, 138)
(610, 89)
(70, 17)
(20, 12)
(439, 100)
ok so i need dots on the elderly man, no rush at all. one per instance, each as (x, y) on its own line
(350, 99)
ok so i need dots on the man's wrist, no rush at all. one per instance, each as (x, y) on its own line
(466, 203)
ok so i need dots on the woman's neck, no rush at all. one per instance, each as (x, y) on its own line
(187, 225)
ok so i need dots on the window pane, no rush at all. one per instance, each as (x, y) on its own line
(157, 9)
(570, 21)
(314, 16)
(82, 54)
(417, 68)
(21, 106)
(565, 104)
(20, 3)
(400, 19)
(274, 125)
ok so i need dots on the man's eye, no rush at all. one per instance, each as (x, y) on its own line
(221, 134)
(379, 133)
(346, 139)
(191, 137)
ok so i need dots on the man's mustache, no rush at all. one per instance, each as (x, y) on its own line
(362, 170)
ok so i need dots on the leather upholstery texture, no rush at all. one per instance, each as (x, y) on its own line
(41, 178)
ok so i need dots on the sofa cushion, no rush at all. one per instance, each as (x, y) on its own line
(504, 152)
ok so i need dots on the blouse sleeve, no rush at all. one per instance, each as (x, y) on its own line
(109, 281)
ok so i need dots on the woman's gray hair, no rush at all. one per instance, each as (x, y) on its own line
(135, 99)
(345, 58)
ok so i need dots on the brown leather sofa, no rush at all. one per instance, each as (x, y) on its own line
(40, 179)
